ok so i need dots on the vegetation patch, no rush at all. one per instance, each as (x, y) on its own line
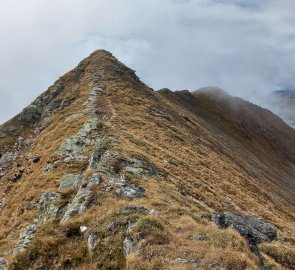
(282, 254)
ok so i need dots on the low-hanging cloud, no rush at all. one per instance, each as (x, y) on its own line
(246, 47)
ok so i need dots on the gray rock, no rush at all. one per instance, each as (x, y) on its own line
(249, 227)
(8, 252)
(199, 237)
(7, 157)
(128, 246)
(3, 263)
(30, 113)
(47, 206)
(141, 167)
(253, 229)
(3, 203)
(2, 171)
(127, 190)
(214, 266)
(15, 177)
(25, 237)
(94, 92)
(140, 208)
(70, 181)
(91, 243)
(30, 206)
(181, 260)
(48, 167)
(73, 147)
(81, 200)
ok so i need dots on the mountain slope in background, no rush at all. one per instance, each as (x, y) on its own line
(283, 103)
(102, 172)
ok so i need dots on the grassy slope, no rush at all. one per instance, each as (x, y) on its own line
(187, 145)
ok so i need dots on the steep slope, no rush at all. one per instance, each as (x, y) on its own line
(101, 172)
(283, 103)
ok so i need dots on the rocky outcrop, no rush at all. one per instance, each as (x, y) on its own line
(81, 200)
(25, 237)
(73, 147)
(127, 190)
(253, 229)
(70, 181)
(47, 206)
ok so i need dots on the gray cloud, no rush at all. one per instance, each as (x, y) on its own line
(246, 47)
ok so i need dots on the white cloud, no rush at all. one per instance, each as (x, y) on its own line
(246, 47)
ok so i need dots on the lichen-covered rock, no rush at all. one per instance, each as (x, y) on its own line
(25, 237)
(47, 168)
(70, 181)
(80, 201)
(199, 237)
(73, 147)
(253, 229)
(3, 203)
(248, 226)
(2, 171)
(128, 246)
(47, 206)
(91, 243)
(30, 113)
(141, 167)
(134, 208)
(127, 190)
(3, 263)
(6, 157)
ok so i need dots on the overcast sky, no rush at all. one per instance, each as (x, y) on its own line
(246, 47)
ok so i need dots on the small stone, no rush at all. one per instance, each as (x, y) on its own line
(199, 237)
(8, 252)
(91, 242)
(181, 260)
(36, 159)
(48, 167)
(214, 266)
(111, 226)
(140, 208)
(30, 206)
(3, 263)
(195, 185)
(83, 229)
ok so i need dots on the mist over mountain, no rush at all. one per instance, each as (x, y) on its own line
(102, 172)
(282, 102)
(244, 47)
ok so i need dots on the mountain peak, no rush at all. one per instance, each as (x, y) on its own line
(101, 172)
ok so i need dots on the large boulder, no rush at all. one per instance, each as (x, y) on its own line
(253, 229)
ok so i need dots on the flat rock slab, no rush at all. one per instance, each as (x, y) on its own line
(69, 181)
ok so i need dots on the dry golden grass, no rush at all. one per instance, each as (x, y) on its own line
(196, 174)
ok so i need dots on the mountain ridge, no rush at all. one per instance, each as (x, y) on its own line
(100, 141)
